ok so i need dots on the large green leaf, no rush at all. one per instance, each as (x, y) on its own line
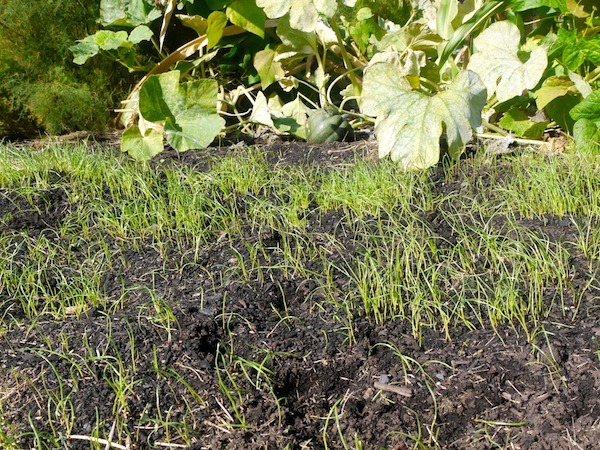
(187, 110)
(303, 14)
(587, 135)
(193, 131)
(518, 121)
(524, 5)
(497, 62)
(113, 12)
(268, 69)
(156, 92)
(245, 14)
(409, 124)
(589, 108)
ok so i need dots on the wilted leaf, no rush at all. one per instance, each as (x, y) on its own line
(142, 147)
(169, 9)
(409, 124)
(261, 113)
(497, 62)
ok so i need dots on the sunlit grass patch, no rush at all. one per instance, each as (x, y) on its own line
(470, 247)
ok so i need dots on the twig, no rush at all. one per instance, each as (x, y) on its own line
(97, 441)
(166, 444)
(400, 390)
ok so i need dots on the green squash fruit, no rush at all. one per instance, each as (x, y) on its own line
(326, 126)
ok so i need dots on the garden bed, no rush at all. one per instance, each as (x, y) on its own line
(297, 297)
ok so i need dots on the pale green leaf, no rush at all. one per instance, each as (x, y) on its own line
(113, 12)
(245, 14)
(193, 132)
(197, 23)
(447, 11)
(84, 50)
(553, 88)
(497, 62)
(589, 108)
(478, 19)
(274, 9)
(261, 113)
(142, 148)
(581, 84)
(110, 40)
(140, 33)
(409, 124)
(217, 20)
(303, 14)
(294, 38)
(268, 69)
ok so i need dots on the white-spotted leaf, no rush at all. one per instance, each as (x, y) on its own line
(303, 13)
(409, 124)
(496, 60)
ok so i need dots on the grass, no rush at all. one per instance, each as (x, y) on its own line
(485, 269)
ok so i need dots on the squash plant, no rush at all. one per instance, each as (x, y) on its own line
(316, 68)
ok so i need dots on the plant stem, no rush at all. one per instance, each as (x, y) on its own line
(346, 58)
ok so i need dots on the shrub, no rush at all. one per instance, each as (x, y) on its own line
(41, 90)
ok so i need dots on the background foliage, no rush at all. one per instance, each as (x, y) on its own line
(41, 90)
(532, 71)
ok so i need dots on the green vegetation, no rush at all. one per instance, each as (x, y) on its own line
(486, 270)
(416, 71)
(41, 90)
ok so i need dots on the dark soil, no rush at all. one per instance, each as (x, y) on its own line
(479, 389)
